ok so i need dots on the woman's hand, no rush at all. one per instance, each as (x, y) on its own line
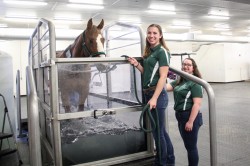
(152, 103)
(133, 61)
(189, 126)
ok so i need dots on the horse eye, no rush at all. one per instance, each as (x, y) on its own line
(91, 41)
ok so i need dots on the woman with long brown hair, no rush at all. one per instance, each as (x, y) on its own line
(156, 60)
(188, 96)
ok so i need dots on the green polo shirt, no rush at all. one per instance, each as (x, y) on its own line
(184, 94)
(158, 57)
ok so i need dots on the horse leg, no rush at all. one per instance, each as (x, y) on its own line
(65, 100)
(67, 108)
(81, 107)
(82, 97)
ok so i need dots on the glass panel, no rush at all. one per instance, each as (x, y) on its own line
(89, 139)
(97, 86)
(45, 54)
(46, 85)
(43, 29)
(35, 39)
(48, 129)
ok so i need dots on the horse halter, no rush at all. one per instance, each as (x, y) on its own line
(84, 46)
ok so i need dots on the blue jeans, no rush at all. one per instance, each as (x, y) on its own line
(190, 138)
(167, 150)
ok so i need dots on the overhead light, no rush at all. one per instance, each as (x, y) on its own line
(180, 27)
(132, 20)
(162, 6)
(218, 17)
(227, 33)
(20, 17)
(3, 25)
(81, 6)
(61, 26)
(175, 36)
(219, 12)
(182, 23)
(195, 31)
(67, 22)
(25, 3)
(222, 27)
(161, 12)
(66, 18)
(96, 2)
(25, 20)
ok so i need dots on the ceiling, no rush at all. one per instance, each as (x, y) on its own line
(195, 12)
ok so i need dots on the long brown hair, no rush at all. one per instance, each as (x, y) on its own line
(196, 71)
(162, 41)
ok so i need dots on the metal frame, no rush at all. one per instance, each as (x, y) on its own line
(44, 32)
(45, 29)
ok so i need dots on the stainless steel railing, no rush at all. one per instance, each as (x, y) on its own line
(33, 120)
(212, 113)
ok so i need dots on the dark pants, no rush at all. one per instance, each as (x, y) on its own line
(167, 150)
(190, 138)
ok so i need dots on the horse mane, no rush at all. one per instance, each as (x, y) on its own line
(77, 50)
(71, 47)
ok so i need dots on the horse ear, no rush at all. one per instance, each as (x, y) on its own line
(100, 26)
(90, 24)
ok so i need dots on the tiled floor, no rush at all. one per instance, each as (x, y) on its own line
(233, 134)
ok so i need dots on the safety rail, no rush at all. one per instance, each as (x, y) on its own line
(142, 39)
(18, 101)
(33, 119)
(41, 50)
(212, 113)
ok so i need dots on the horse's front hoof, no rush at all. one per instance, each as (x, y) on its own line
(67, 109)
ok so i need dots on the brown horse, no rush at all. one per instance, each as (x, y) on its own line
(76, 78)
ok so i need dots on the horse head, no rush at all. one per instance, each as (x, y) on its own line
(91, 42)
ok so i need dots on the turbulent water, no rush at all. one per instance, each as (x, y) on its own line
(71, 130)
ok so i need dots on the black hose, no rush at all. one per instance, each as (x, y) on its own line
(155, 125)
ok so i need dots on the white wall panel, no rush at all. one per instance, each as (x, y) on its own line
(6, 89)
(18, 50)
(210, 60)
(224, 62)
